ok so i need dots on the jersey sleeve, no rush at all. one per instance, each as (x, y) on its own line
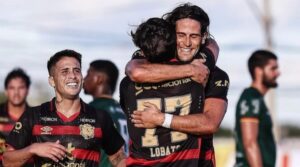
(112, 140)
(218, 85)
(20, 136)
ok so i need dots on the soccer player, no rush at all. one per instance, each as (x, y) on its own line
(191, 25)
(255, 144)
(16, 84)
(100, 82)
(160, 146)
(65, 131)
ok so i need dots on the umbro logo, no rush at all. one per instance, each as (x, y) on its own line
(46, 130)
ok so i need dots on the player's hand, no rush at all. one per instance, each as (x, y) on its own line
(200, 71)
(150, 117)
(51, 150)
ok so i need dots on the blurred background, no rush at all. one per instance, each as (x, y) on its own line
(31, 31)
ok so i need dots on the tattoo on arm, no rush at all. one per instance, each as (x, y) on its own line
(118, 158)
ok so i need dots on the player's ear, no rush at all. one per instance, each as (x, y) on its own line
(100, 78)
(51, 81)
(258, 72)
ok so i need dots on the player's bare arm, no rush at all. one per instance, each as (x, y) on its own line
(51, 150)
(118, 159)
(249, 129)
(140, 70)
(205, 123)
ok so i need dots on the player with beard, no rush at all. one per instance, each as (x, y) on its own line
(255, 145)
(16, 84)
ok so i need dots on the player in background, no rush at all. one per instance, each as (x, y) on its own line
(16, 85)
(100, 82)
(255, 144)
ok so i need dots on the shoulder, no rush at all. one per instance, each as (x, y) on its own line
(250, 93)
(218, 73)
(218, 79)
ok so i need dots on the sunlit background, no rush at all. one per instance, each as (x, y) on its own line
(31, 31)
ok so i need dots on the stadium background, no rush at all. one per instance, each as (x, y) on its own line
(31, 31)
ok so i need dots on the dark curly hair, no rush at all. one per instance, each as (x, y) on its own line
(156, 38)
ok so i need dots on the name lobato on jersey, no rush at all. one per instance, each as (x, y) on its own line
(83, 134)
(162, 146)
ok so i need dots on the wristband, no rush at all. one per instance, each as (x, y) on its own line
(167, 121)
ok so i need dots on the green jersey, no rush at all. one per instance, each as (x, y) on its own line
(251, 105)
(119, 119)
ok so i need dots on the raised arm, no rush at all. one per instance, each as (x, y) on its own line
(140, 70)
(212, 45)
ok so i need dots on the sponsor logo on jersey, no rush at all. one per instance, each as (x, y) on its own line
(84, 120)
(46, 130)
(87, 131)
(69, 164)
(141, 87)
(4, 119)
(50, 119)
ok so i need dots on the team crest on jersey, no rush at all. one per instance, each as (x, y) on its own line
(18, 126)
(87, 131)
(46, 130)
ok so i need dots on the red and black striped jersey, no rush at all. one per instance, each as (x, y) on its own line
(7, 123)
(162, 146)
(83, 134)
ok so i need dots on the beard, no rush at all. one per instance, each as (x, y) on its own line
(269, 82)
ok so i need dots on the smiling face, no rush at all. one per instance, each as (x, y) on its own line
(16, 91)
(67, 78)
(188, 38)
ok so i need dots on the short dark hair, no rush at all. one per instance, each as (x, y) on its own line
(259, 58)
(188, 10)
(59, 55)
(110, 69)
(157, 39)
(17, 73)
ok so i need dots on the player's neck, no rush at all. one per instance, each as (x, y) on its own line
(68, 107)
(103, 96)
(16, 111)
(260, 87)
(102, 92)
